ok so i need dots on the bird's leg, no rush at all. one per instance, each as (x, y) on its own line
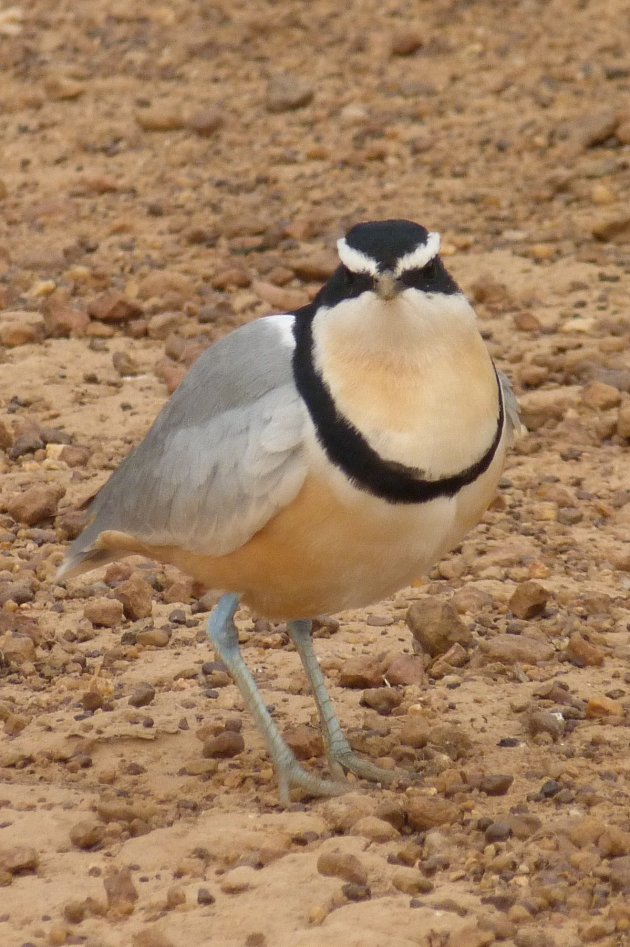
(224, 636)
(341, 756)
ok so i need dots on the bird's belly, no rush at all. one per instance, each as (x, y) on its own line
(326, 552)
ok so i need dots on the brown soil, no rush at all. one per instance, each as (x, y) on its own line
(196, 162)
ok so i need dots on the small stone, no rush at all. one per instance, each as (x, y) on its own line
(114, 306)
(200, 768)
(585, 832)
(375, 829)
(17, 648)
(160, 118)
(592, 129)
(496, 784)
(205, 122)
(623, 420)
(342, 865)
(341, 813)
(415, 732)
(498, 832)
(36, 504)
(15, 723)
(125, 365)
(436, 626)
(18, 592)
(64, 321)
(528, 600)
(305, 741)
(612, 228)
(62, 88)
(362, 672)
(382, 699)
(174, 897)
(405, 670)
(601, 706)
(315, 268)
(163, 324)
(224, 746)
(154, 638)
(120, 890)
(279, 297)
(620, 874)
(21, 327)
(411, 881)
(406, 43)
(136, 596)
(21, 859)
(104, 612)
(583, 652)
(151, 937)
(455, 657)
(287, 93)
(427, 812)
(74, 456)
(600, 396)
(541, 721)
(354, 892)
(526, 321)
(233, 277)
(142, 695)
(205, 896)
(87, 834)
(515, 649)
(239, 879)
(614, 842)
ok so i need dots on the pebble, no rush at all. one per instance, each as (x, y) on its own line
(154, 637)
(160, 118)
(427, 812)
(541, 721)
(36, 504)
(411, 881)
(382, 699)
(104, 612)
(341, 813)
(406, 42)
(415, 732)
(600, 396)
(623, 420)
(125, 365)
(614, 842)
(592, 129)
(515, 649)
(498, 832)
(436, 626)
(279, 297)
(601, 706)
(406, 669)
(342, 865)
(136, 597)
(496, 784)
(288, 93)
(120, 890)
(442, 667)
(205, 122)
(620, 874)
(583, 652)
(224, 745)
(62, 88)
(205, 896)
(16, 648)
(151, 937)
(528, 600)
(610, 227)
(362, 672)
(21, 859)
(114, 306)
(163, 324)
(375, 829)
(200, 768)
(21, 327)
(88, 833)
(353, 892)
(142, 695)
(241, 878)
(305, 741)
(64, 321)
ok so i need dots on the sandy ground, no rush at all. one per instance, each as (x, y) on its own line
(169, 171)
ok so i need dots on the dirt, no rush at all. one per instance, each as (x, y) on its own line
(170, 171)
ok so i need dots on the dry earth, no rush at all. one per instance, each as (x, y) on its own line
(170, 170)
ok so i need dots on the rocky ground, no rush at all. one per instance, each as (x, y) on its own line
(169, 171)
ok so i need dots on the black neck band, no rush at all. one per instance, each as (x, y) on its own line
(348, 450)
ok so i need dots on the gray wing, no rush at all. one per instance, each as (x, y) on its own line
(221, 459)
(512, 410)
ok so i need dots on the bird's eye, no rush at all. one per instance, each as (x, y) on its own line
(430, 270)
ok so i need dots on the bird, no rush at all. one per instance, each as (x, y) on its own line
(317, 461)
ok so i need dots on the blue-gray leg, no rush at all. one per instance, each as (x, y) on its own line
(341, 756)
(224, 636)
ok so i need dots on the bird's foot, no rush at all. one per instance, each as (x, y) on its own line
(293, 776)
(349, 762)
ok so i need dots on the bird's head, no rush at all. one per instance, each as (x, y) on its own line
(387, 258)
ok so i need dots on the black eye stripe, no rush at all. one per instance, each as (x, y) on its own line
(432, 278)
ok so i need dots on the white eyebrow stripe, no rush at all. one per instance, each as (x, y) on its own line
(420, 256)
(355, 260)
